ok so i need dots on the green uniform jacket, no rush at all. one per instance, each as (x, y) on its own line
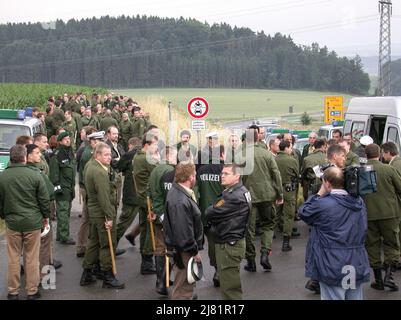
(126, 130)
(157, 191)
(49, 126)
(318, 157)
(264, 183)
(107, 122)
(138, 127)
(97, 185)
(289, 169)
(116, 115)
(42, 165)
(352, 159)
(58, 119)
(62, 172)
(383, 204)
(92, 121)
(71, 128)
(125, 166)
(141, 171)
(24, 199)
(396, 163)
(86, 156)
(49, 184)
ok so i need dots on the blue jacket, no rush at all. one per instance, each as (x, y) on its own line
(339, 225)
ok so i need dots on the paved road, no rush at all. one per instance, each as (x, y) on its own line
(286, 281)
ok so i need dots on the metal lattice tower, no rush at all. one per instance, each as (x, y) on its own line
(385, 9)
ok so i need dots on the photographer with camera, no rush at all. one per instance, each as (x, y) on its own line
(339, 226)
(383, 221)
(289, 171)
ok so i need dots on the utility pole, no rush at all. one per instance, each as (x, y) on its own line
(385, 9)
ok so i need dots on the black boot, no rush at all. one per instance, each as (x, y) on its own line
(378, 284)
(388, 277)
(161, 276)
(110, 281)
(216, 279)
(286, 244)
(87, 277)
(251, 265)
(313, 285)
(97, 272)
(147, 265)
(264, 260)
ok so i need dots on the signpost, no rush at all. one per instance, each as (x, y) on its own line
(198, 108)
(333, 109)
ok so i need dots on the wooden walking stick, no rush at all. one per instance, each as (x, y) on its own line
(167, 271)
(113, 260)
(152, 233)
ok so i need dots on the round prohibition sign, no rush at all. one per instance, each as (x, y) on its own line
(198, 107)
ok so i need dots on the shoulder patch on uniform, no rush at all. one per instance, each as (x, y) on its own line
(248, 196)
(219, 203)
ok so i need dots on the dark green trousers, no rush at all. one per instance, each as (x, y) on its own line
(98, 249)
(228, 258)
(267, 215)
(144, 238)
(383, 234)
(287, 210)
(128, 214)
(63, 209)
(211, 247)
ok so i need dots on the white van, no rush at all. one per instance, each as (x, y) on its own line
(378, 117)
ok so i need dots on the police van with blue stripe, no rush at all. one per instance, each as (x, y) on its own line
(14, 123)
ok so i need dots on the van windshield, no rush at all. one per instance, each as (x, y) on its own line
(9, 134)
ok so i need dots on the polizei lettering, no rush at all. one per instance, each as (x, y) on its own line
(184, 311)
(210, 177)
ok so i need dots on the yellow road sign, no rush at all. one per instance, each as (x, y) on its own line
(333, 109)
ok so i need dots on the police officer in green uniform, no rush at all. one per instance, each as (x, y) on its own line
(158, 192)
(289, 171)
(265, 185)
(352, 159)
(107, 121)
(130, 200)
(89, 119)
(71, 127)
(209, 187)
(138, 123)
(62, 175)
(391, 156)
(102, 215)
(143, 164)
(87, 155)
(126, 130)
(314, 160)
(228, 217)
(383, 221)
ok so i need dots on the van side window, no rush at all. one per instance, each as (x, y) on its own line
(376, 131)
(357, 130)
(392, 135)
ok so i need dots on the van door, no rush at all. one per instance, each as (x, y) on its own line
(392, 132)
(377, 124)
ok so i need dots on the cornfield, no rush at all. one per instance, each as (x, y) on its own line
(21, 95)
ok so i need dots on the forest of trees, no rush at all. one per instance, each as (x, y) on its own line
(396, 78)
(141, 51)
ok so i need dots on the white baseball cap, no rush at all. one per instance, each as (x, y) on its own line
(212, 134)
(96, 135)
(366, 140)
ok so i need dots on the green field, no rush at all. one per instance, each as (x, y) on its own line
(233, 104)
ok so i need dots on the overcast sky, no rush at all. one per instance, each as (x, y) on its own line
(347, 26)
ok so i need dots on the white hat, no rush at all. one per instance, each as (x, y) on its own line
(45, 231)
(96, 135)
(212, 134)
(366, 140)
(194, 271)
